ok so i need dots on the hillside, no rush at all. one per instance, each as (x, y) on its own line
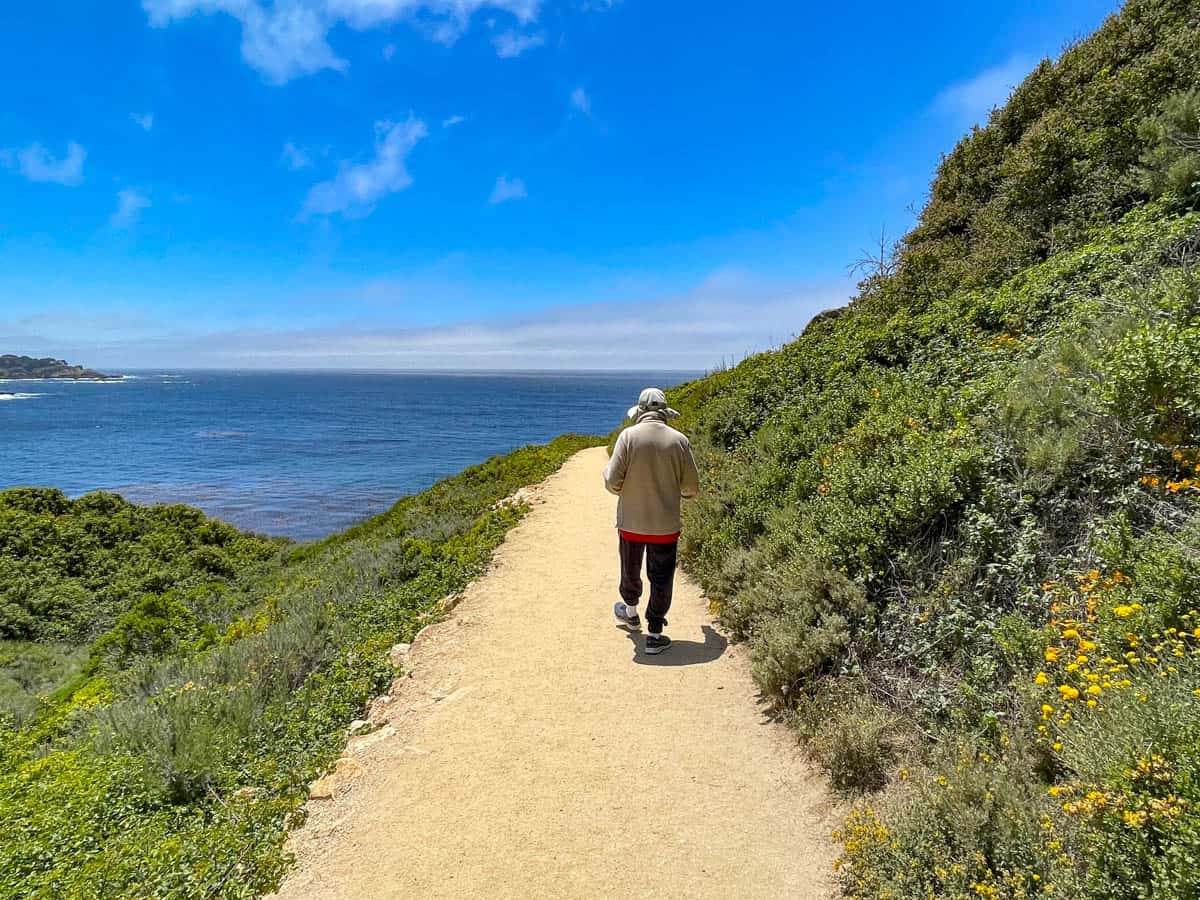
(169, 686)
(27, 367)
(956, 522)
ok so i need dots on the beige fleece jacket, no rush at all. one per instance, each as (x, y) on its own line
(650, 470)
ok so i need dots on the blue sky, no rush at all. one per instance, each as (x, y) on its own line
(461, 183)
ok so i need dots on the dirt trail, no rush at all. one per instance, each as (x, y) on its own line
(533, 750)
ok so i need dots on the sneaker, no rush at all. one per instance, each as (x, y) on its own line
(657, 643)
(627, 615)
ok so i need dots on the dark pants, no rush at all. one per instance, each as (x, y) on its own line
(660, 571)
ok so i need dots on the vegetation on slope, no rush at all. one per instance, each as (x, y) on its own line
(956, 521)
(206, 677)
(12, 366)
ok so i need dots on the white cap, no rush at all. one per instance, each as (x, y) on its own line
(651, 400)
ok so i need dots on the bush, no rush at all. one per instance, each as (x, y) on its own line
(1171, 162)
(855, 740)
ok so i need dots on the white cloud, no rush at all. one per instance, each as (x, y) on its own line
(452, 121)
(511, 43)
(970, 101)
(726, 317)
(36, 163)
(507, 189)
(581, 101)
(295, 158)
(130, 203)
(289, 38)
(144, 121)
(358, 187)
(388, 52)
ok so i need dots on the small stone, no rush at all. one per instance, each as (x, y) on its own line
(377, 707)
(398, 655)
(322, 788)
(359, 744)
(346, 768)
(344, 771)
(359, 726)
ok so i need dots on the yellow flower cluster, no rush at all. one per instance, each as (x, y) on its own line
(861, 830)
(1082, 801)
(1188, 460)
(1006, 341)
(1083, 673)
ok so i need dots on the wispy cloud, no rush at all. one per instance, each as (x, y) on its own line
(510, 43)
(289, 38)
(295, 158)
(725, 317)
(452, 121)
(581, 101)
(36, 163)
(970, 101)
(507, 189)
(130, 203)
(358, 187)
(144, 121)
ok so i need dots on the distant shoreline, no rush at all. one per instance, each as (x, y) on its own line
(94, 379)
(21, 368)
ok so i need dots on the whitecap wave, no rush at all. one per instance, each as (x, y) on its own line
(5, 395)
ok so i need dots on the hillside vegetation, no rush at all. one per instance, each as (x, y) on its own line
(12, 366)
(956, 521)
(169, 686)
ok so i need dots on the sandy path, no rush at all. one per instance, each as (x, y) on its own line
(534, 751)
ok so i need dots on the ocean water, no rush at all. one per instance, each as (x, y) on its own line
(296, 454)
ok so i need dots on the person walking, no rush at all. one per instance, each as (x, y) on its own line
(650, 470)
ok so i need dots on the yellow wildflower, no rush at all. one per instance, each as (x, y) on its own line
(1134, 818)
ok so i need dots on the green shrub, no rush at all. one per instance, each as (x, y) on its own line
(1171, 162)
(855, 740)
(155, 626)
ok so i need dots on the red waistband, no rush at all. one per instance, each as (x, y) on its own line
(650, 538)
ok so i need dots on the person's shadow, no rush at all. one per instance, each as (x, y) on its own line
(681, 653)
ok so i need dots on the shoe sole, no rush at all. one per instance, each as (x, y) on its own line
(654, 651)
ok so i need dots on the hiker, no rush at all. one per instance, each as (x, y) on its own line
(650, 470)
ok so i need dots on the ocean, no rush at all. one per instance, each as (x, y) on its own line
(299, 454)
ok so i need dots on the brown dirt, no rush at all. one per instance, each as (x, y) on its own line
(533, 751)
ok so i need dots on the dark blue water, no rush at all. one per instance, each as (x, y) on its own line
(296, 454)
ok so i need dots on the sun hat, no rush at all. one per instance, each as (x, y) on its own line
(651, 400)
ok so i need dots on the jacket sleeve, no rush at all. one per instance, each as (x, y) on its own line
(689, 482)
(614, 472)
